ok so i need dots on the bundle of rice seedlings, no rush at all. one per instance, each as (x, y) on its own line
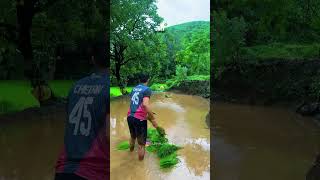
(166, 149)
(169, 161)
(152, 148)
(156, 138)
(158, 144)
(161, 131)
(124, 145)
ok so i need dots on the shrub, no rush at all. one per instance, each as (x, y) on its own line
(181, 72)
(159, 87)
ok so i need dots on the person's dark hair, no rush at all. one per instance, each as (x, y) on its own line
(99, 50)
(143, 78)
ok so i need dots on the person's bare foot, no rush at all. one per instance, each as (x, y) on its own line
(141, 158)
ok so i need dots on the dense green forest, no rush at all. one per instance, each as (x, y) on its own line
(138, 46)
(46, 40)
(48, 36)
(266, 29)
(271, 47)
(45, 44)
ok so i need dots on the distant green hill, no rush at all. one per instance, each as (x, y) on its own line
(189, 26)
(175, 35)
(185, 30)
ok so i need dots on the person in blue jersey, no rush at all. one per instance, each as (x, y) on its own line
(85, 154)
(139, 112)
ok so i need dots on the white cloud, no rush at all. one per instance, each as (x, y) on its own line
(180, 11)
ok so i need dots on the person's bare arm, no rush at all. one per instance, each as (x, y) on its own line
(146, 105)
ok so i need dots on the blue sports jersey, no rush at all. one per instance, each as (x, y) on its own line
(86, 144)
(136, 107)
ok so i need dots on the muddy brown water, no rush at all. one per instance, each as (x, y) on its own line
(249, 143)
(30, 143)
(183, 118)
(252, 142)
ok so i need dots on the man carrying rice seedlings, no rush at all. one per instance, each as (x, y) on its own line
(139, 112)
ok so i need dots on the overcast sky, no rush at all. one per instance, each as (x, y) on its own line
(180, 11)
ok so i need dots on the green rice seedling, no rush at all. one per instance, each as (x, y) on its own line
(169, 161)
(155, 137)
(152, 148)
(161, 131)
(159, 145)
(166, 149)
(123, 146)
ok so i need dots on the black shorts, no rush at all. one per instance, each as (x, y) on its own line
(138, 129)
(68, 176)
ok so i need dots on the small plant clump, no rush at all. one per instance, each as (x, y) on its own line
(124, 145)
(159, 145)
(169, 161)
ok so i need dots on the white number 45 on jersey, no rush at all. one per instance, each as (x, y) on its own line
(135, 98)
(76, 115)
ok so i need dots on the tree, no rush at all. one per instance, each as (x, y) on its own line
(133, 22)
(53, 24)
(228, 37)
(195, 54)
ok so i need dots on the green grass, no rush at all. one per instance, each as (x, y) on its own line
(199, 77)
(16, 95)
(281, 51)
(159, 87)
(61, 87)
(115, 91)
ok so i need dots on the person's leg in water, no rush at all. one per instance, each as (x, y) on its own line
(142, 138)
(141, 152)
(133, 132)
(132, 143)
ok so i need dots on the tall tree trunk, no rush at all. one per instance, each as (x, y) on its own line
(24, 20)
(25, 13)
(119, 59)
(118, 76)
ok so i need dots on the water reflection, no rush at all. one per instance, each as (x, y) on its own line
(252, 142)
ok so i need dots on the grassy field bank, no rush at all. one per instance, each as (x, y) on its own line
(16, 95)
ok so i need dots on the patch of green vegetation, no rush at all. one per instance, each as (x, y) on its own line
(16, 96)
(61, 88)
(151, 148)
(198, 77)
(159, 145)
(172, 82)
(165, 151)
(159, 87)
(123, 146)
(169, 161)
(155, 138)
(281, 51)
(115, 91)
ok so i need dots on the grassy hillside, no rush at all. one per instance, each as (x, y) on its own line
(186, 30)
